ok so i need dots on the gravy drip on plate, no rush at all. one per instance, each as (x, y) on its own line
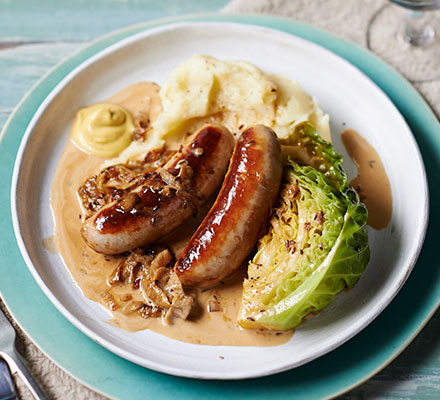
(372, 182)
(90, 270)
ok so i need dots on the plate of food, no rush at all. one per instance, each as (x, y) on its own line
(221, 193)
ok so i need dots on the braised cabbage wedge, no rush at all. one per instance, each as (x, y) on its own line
(316, 245)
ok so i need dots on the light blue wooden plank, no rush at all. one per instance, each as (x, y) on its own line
(35, 35)
(22, 66)
(87, 19)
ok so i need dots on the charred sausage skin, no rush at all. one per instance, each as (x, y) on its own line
(167, 197)
(235, 221)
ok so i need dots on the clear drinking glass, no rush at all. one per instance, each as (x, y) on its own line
(402, 33)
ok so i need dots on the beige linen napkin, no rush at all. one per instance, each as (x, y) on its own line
(346, 18)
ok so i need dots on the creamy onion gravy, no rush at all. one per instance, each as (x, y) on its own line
(372, 182)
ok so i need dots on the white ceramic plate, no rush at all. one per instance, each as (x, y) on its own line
(351, 99)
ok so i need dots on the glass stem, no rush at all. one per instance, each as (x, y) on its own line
(416, 31)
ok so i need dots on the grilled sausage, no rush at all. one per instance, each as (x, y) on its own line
(166, 198)
(242, 208)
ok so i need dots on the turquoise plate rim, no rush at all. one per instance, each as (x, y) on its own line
(329, 376)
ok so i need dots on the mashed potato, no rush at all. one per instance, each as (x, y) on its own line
(234, 93)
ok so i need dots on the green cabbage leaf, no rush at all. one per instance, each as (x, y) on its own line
(316, 245)
(306, 147)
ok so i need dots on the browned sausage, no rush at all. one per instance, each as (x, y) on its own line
(167, 197)
(235, 221)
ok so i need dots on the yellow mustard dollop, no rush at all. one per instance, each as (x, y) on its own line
(103, 129)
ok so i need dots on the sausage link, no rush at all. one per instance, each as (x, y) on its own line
(240, 212)
(167, 197)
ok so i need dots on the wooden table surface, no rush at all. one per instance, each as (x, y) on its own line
(35, 35)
